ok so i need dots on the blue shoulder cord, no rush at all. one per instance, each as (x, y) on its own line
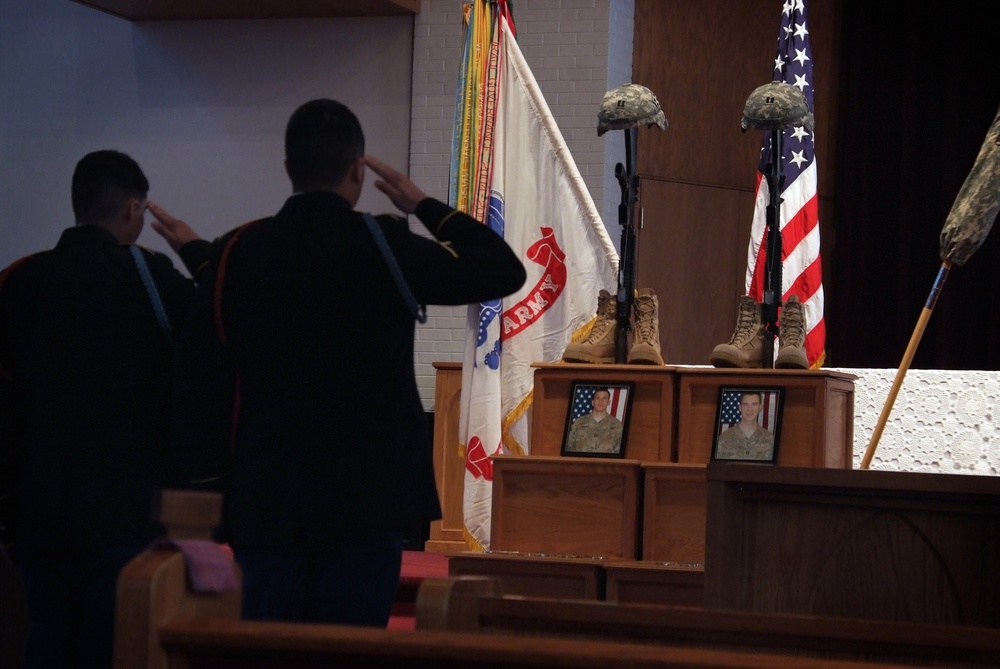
(154, 295)
(417, 309)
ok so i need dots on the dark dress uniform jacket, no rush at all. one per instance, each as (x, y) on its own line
(86, 377)
(298, 363)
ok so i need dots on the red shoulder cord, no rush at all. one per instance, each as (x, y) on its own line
(220, 327)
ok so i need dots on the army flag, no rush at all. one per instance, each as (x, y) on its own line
(802, 272)
(511, 163)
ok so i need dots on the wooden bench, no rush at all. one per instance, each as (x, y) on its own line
(176, 629)
(162, 624)
(476, 604)
(223, 644)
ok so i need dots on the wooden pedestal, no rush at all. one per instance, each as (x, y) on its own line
(651, 431)
(565, 506)
(447, 534)
(544, 503)
(673, 513)
(535, 575)
(860, 544)
(654, 583)
(817, 428)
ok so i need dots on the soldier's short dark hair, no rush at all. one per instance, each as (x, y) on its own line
(322, 140)
(102, 182)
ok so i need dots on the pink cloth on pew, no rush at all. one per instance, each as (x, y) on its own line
(209, 564)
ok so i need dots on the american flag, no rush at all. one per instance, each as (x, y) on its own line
(730, 414)
(802, 273)
(582, 402)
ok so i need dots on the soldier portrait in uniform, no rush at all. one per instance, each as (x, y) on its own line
(747, 421)
(597, 420)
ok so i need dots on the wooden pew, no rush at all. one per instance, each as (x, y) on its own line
(477, 604)
(231, 644)
(171, 628)
(153, 587)
(198, 639)
(162, 624)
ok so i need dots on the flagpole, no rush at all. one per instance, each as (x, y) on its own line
(911, 349)
(965, 229)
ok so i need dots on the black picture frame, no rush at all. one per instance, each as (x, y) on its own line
(741, 447)
(594, 442)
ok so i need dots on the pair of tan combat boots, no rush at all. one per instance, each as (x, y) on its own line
(746, 347)
(599, 345)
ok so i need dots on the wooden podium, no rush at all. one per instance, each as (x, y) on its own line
(817, 425)
(860, 544)
(449, 462)
(566, 506)
(673, 410)
(670, 435)
(652, 428)
(673, 513)
(645, 514)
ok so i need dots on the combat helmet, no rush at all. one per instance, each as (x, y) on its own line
(776, 106)
(628, 106)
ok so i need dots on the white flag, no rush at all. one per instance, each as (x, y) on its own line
(539, 202)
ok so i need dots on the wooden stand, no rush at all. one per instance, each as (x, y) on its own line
(566, 506)
(817, 428)
(861, 544)
(448, 533)
(654, 583)
(535, 575)
(652, 429)
(547, 507)
(673, 513)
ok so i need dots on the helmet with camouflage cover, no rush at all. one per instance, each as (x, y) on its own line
(776, 106)
(628, 106)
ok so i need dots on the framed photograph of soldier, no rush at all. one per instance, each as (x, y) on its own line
(748, 424)
(597, 419)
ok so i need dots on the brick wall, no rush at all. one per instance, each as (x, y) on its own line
(577, 50)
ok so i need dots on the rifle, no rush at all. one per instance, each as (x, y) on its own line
(772, 250)
(628, 180)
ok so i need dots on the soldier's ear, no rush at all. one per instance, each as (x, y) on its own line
(137, 209)
(357, 171)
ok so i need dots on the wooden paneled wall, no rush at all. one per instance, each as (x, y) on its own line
(702, 60)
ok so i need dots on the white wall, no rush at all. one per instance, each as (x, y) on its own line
(200, 105)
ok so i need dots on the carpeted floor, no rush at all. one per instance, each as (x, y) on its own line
(417, 565)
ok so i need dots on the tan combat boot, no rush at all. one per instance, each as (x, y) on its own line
(792, 336)
(646, 334)
(746, 347)
(599, 345)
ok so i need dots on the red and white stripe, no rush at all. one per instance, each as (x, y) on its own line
(802, 271)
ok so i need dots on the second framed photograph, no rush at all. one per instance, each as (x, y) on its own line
(597, 420)
(748, 424)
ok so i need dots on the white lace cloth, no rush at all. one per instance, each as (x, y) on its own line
(942, 421)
